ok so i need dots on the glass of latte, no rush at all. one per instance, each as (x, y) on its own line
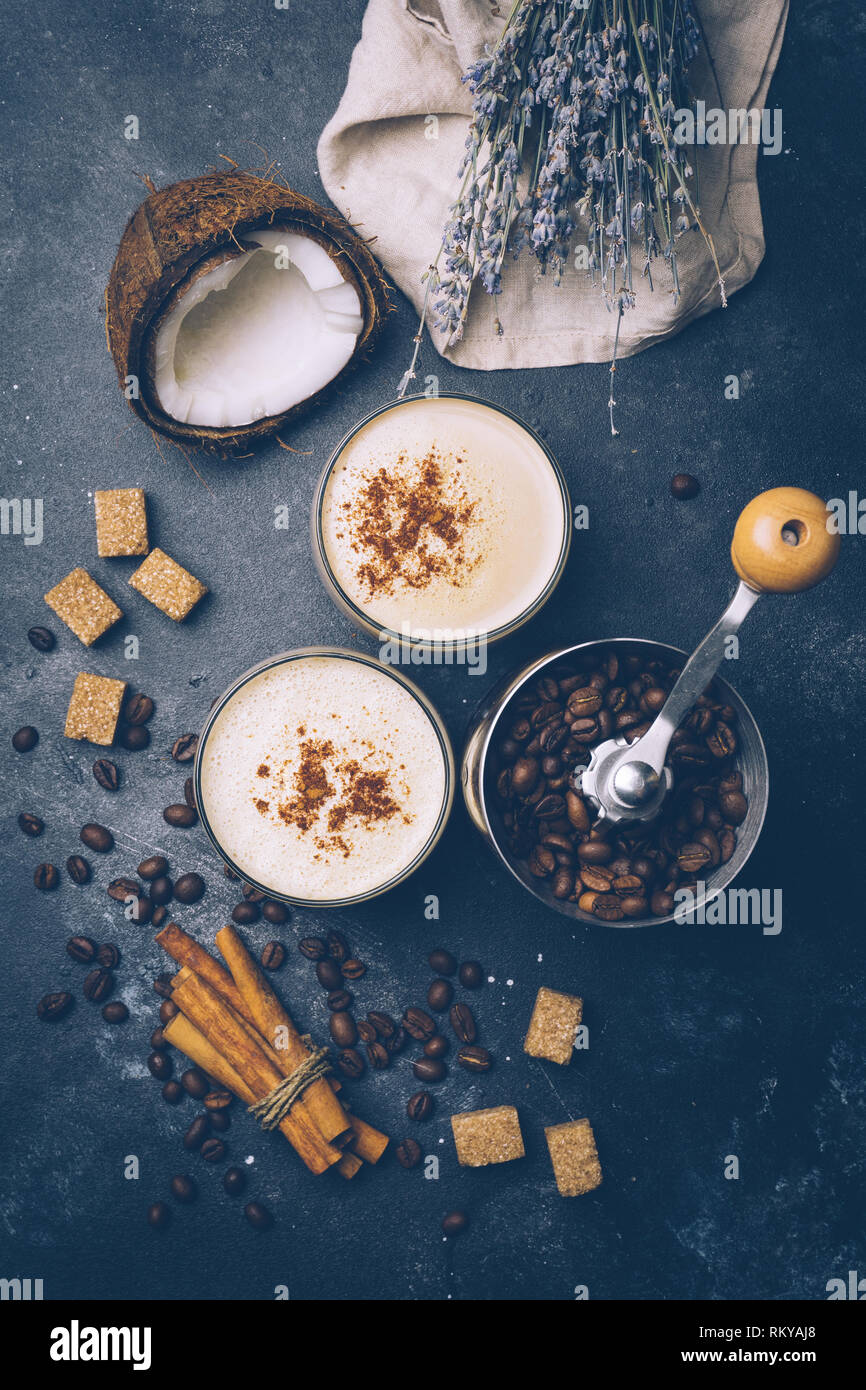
(323, 777)
(441, 519)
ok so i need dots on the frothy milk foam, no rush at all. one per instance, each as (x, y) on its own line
(322, 778)
(487, 549)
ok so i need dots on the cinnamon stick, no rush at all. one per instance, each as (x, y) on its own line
(276, 1027)
(186, 951)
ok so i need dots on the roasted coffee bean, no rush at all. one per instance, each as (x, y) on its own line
(733, 806)
(168, 1010)
(470, 974)
(439, 995)
(627, 885)
(25, 738)
(684, 486)
(46, 877)
(245, 914)
(351, 1063)
(78, 869)
(383, 1023)
(328, 974)
(608, 907)
(212, 1150)
(577, 812)
(181, 816)
(258, 1216)
(41, 638)
(563, 883)
(153, 868)
(138, 709)
(195, 1083)
(397, 1041)
(408, 1153)
(722, 742)
(252, 895)
(693, 857)
(420, 1106)
(453, 1222)
(727, 844)
(189, 793)
(31, 824)
(197, 1132)
(594, 852)
(217, 1100)
(313, 947)
(634, 905)
(338, 946)
(550, 807)
(159, 1064)
(234, 1181)
(661, 904)
(524, 776)
(437, 1046)
(115, 1012)
(158, 1040)
(273, 955)
(158, 1214)
(183, 749)
(158, 916)
(108, 955)
(378, 1056)
(430, 1069)
(189, 888)
(81, 948)
(275, 913)
(442, 962)
(122, 888)
(106, 774)
(353, 969)
(97, 838)
(340, 999)
(183, 1188)
(54, 1006)
(597, 877)
(133, 737)
(475, 1058)
(342, 1029)
(140, 911)
(366, 1031)
(172, 1092)
(585, 702)
(98, 984)
(418, 1024)
(705, 836)
(161, 890)
(463, 1023)
(162, 986)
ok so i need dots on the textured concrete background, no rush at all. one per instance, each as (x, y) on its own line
(704, 1041)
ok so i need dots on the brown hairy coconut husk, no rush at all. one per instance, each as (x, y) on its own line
(198, 230)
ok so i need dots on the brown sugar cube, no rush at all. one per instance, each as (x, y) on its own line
(94, 708)
(574, 1157)
(121, 521)
(553, 1026)
(487, 1136)
(83, 606)
(167, 585)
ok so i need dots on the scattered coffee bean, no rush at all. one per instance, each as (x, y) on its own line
(122, 888)
(98, 984)
(351, 1063)
(181, 816)
(418, 1024)
(245, 914)
(106, 774)
(353, 969)
(275, 913)
(342, 1029)
(383, 1023)
(81, 948)
(159, 1064)
(273, 955)
(397, 1041)
(25, 738)
(439, 995)
(378, 1056)
(183, 748)
(684, 486)
(168, 1010)
(234, 1181)
(46, 877)
(430, 1069)
(470, 974)
(463, 1023)
(115, 1012)
(475, 1058)
(408, 1153)
(442, 962)
(172, 1092)
(133, 737)
(158, 1214)
(154, 867)
(258, 1216)
(454, 1222)
(340, 999)
(328, 974)
(420, 1106)
(183, 1188)
(313, 947)
(189, 888)
(338, 946)
(366, 1031)
(97, 838)
(189, 793)
(108, 955)
(212, 1150)
(218, 1100)
(41, 638)
(195, 1083)
(161, 890)
(78, 869)
(436, 1046)
(158, 1040)
(197, 1132)
(53, 1006)
(162, 986)
(30, 824)
(158, 916)
(138, 709)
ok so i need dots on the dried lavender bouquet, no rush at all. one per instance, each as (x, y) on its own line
(573, 121)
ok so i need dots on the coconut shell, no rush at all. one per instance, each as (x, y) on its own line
(175, 234)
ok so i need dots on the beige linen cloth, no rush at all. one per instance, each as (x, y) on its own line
(389, 160)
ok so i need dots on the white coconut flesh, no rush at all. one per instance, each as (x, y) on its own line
(256, 334)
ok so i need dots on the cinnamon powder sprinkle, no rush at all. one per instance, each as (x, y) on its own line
(409, 525)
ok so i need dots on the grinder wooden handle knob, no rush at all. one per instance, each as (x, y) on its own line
(781, 542)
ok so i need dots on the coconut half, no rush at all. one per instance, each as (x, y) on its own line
(234, 304)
